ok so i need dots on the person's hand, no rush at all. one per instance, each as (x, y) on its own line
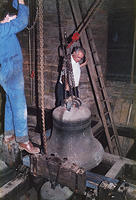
(85, 63)
(66, 87)
(21, 1)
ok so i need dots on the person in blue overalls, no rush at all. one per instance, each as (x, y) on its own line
(11, 74)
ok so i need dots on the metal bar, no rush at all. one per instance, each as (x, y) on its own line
(93, 180)
(90, 13)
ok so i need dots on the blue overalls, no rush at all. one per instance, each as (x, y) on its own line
(11, 76)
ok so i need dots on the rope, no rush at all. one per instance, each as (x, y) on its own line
(41, 33)
(30, 64)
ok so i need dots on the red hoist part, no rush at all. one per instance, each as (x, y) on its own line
(32, 74)
(75, 37)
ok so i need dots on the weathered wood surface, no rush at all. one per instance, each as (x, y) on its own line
(15, 187)
(10, 153)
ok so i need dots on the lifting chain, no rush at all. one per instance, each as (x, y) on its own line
(69, 74)
(31, 46)
(42, 61)
(69, 77)
(35, 20)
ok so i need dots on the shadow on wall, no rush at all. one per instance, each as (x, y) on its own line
(2, 105)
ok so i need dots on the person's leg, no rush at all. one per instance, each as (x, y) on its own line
(8, 122)
(15, 92)
(19, 109)
(8, 116)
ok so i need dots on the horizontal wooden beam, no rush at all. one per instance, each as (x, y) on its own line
(13, 188)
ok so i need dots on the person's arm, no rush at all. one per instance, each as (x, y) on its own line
(84, 63)
(18, 24)
(16, 2)
(66, 85)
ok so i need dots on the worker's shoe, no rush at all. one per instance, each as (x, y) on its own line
(8, 139)
(29, 147)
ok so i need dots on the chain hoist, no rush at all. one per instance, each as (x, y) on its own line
(31, 45)
(82, 26)
(32, 26)
(71, 98)
(75, 37)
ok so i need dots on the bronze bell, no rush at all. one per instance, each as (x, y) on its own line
(72, 137)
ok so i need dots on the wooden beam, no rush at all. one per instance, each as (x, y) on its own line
(13, 188)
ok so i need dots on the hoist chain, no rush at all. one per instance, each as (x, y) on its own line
(69, 74)
(68, 71)
(35, 20)
(69, 77)
(31, 47)
(42, 61)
